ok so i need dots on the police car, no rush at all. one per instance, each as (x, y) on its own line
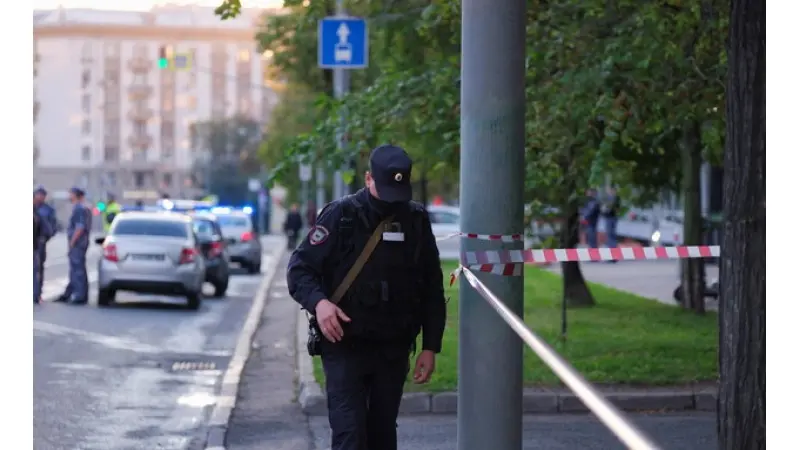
(243, 243)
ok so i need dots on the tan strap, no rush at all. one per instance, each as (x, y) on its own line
(362, 259)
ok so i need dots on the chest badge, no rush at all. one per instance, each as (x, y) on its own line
(318, 235)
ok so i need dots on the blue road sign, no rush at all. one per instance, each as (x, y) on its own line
(343, 43)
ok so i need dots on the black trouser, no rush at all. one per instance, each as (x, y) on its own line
(364, 385)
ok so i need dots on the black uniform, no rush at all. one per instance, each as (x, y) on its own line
(398, 293)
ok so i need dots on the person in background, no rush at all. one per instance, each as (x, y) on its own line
(37, 266)
(590, 216)
(80, 222)
(111, 211)
(139, 205)
(610, 212)
(48, 225)
(311, 214)
(293, 225)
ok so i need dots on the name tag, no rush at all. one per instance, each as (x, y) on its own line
(393, 236)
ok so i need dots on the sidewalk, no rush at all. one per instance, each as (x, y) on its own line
(650, 279)
(267, 415)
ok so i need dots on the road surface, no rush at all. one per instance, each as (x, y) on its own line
(113, 378)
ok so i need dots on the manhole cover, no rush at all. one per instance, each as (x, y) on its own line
(192, 366)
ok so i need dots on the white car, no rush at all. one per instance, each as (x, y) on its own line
(446, 224)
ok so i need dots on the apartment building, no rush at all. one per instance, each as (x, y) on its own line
(116, 92)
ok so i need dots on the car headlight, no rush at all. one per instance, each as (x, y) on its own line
(656, 236)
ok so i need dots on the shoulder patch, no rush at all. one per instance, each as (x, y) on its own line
(318, 235)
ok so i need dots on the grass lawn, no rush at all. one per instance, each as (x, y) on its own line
(624, 339)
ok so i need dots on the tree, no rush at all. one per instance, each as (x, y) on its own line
(741, 413)
(229, 150)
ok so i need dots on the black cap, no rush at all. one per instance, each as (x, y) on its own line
(77, 191)
(40, 190)
(390, 167)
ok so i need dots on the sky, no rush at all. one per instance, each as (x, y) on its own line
(140, 5)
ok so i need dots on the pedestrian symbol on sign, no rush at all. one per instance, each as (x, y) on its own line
(344, 51)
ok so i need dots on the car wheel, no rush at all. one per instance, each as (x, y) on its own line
(193, 300)
(105, 297)
(220, 288)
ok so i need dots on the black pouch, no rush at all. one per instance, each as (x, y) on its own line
(314, 338)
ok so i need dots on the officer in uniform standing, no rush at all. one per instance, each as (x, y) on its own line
(47, 229)
(111, 211)
(37, 241)
(80, 222)
(369, 273)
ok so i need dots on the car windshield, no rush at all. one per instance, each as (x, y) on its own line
(203, 227)
(233, 221)
(444, 217)
(144, 227)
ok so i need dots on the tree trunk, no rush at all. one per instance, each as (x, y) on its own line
(741, 413)
(423, 187)
(576, 292)
(693, 284)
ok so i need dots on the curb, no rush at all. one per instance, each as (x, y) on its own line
(309, 393)
(229, 388)
(534, 401)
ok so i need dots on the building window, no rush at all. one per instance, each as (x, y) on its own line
(84, 181)
(86, 51)
(86, 104)
(138, 179)
(111, 154)
(86, 78)
(111, 179)
(166, 180)
(86, 153)
(140, 127)
(166, 105)
(87, 126)
(111, 49)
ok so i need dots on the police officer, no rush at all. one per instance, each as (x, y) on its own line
(80, 222)
(47, 229)
(371, 332)
(37, 231)
(111, 211)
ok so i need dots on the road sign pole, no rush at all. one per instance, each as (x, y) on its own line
(491, 187)
(320, 186)
(341, 86)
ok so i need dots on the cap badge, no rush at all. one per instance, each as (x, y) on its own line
(398, 177)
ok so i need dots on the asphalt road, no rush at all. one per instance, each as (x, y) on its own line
(562, 432)
(110, 379)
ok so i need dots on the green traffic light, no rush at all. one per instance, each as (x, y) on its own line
(163, 63)
(101, 206)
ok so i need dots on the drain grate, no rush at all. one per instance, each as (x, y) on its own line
(192, 366)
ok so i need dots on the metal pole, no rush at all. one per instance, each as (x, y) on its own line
(341, 85)
(491, 187)
(320, 186)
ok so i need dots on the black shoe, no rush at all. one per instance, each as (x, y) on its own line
(62, 299)
(78, 301)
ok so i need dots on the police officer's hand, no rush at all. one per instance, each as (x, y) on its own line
(423, 369)
(328, 316)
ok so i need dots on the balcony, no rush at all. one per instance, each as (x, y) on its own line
(140, 113)
(140, 64)
(139, 92)
(140, 141)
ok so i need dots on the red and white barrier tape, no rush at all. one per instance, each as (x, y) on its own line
(510, 262)
(483, 237)
(587, 254)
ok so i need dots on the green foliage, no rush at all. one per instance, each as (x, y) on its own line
(229, 9)
(610, 88)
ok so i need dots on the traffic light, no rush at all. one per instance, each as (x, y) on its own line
(101, 206)
(163, 57)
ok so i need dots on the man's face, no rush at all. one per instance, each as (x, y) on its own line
(72, 197)
(39, 198)
(370, 182)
